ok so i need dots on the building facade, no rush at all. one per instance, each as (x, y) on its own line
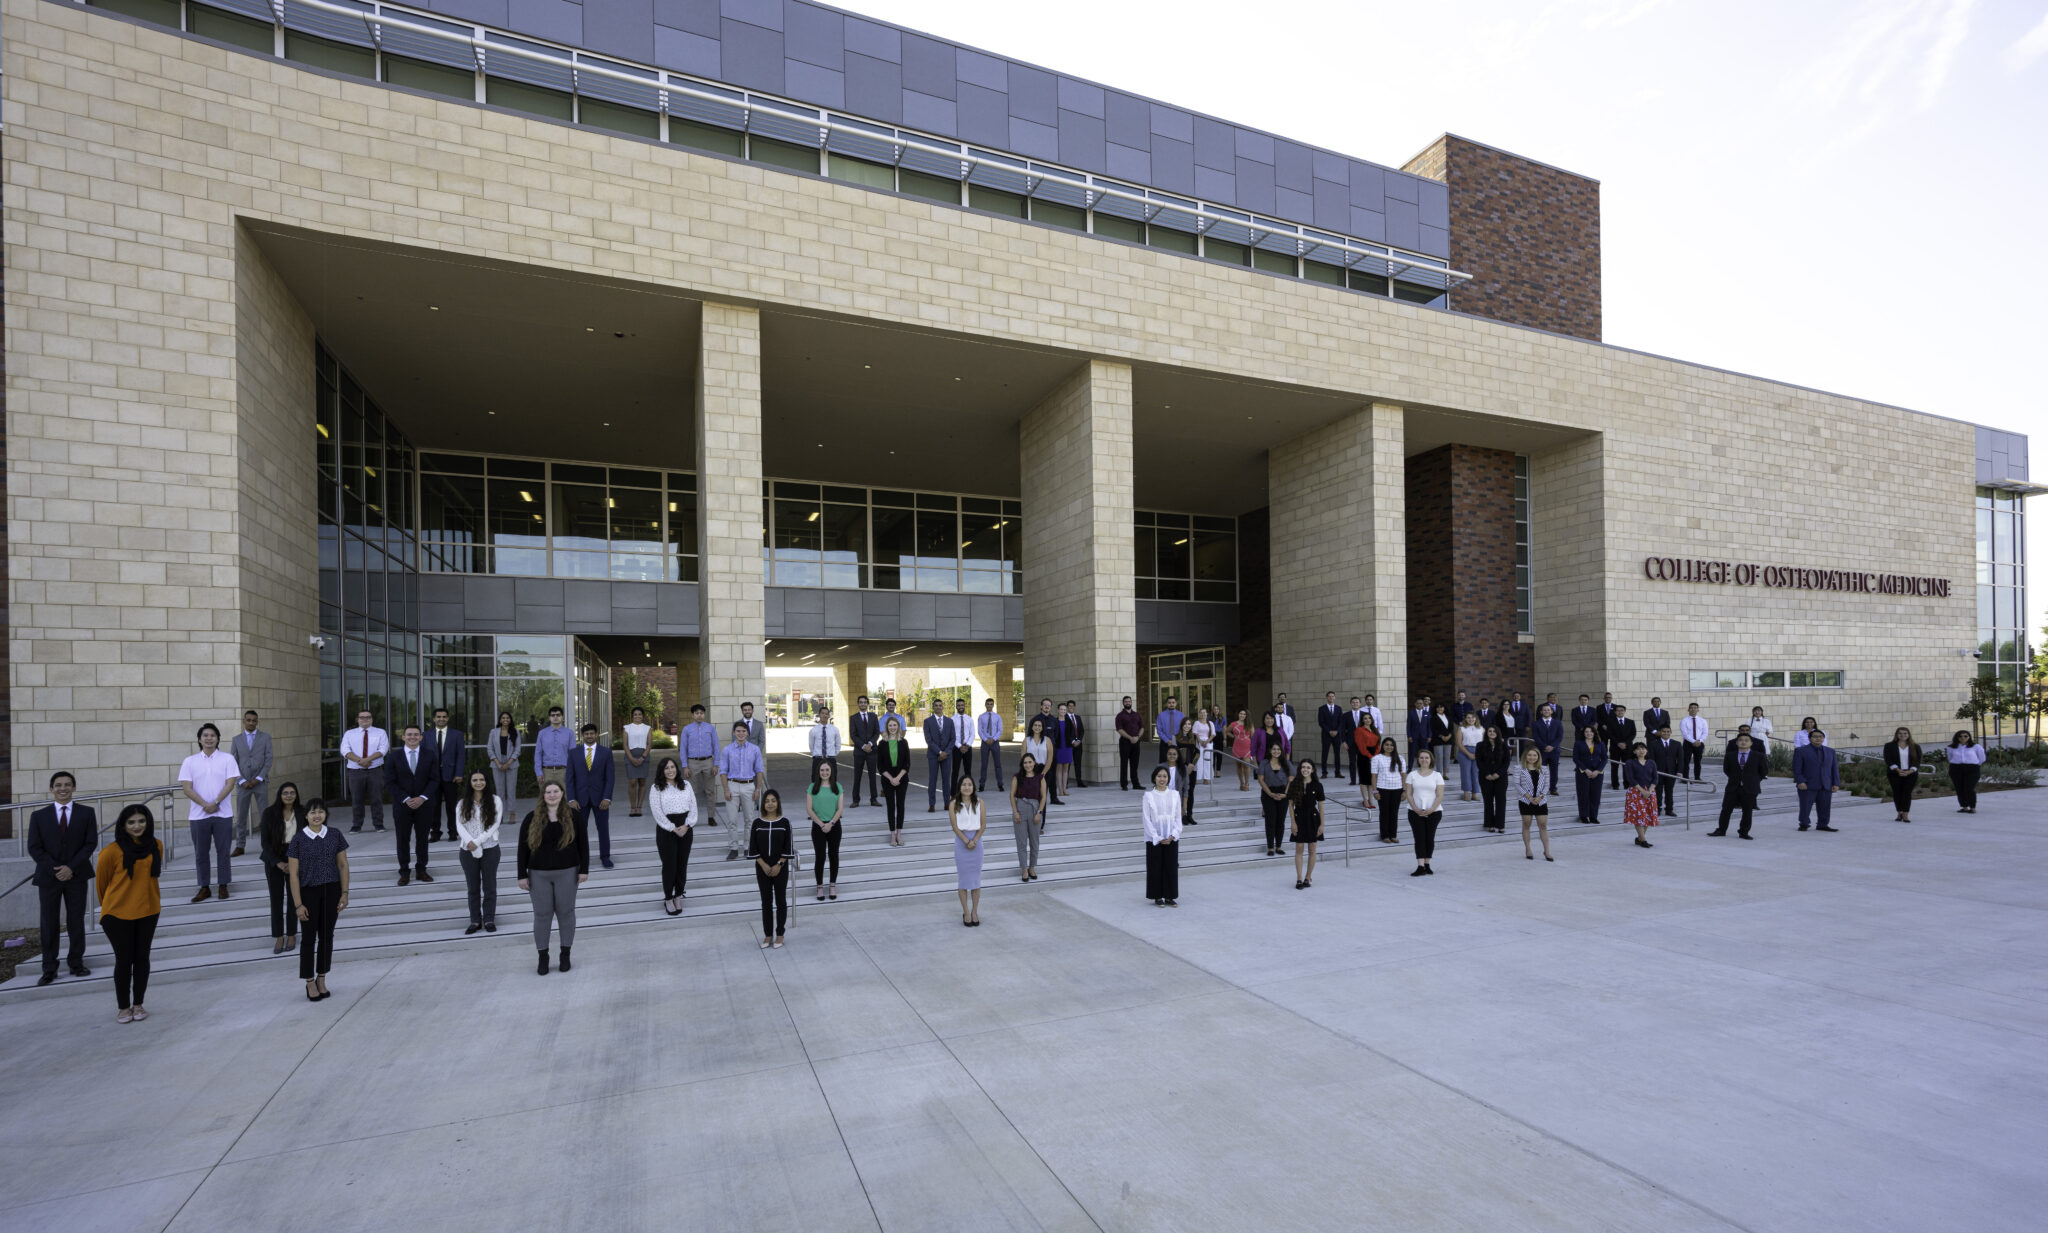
(447, 354)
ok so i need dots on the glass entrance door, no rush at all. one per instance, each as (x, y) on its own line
(1193, 678)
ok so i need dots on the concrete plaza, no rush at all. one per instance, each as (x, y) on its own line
(1806, 1032)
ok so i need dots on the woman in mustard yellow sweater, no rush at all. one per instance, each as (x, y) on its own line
(128, 875)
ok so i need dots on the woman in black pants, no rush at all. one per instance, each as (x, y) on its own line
(1425, 800)
(279, 823)
(673, 802)
(1274, 776)
(1389, 777)
(892, 762)
(1494, 760)
(771, 845)
(1965, 764)
(1190, 754)
(318, 856)
(127, 872)
(1902, 766)
(825, 806)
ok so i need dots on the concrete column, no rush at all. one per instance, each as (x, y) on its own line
(849, 681)
(1080, 614)
(729, 616)
(1568, 572)
(1339, 565)
(689, 688)
(993, 681)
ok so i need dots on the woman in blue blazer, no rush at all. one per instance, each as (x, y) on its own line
(1589, 762)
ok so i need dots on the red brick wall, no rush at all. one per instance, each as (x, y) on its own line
(1461, 577)
(1529, 235)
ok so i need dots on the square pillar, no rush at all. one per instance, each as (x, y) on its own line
(994, 681)
(729, 592)
(1568, 550)
(849, 681)
(1080, 608)
(689, 688)
(1339, 565)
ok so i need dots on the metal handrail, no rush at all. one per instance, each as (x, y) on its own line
(104, 822)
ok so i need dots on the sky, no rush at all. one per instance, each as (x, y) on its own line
(1848, 196)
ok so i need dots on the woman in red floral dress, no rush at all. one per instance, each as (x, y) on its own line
(1639, 781)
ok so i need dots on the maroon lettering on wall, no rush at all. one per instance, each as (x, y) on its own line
(1792, 577)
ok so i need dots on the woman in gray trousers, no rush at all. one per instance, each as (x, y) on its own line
(554, 859)
(504, 753)
(1027, 799)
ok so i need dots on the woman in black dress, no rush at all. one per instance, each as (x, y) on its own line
(284, 816)
(1305, 802)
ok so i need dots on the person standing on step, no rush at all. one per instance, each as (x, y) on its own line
(551, 747)
(1423, 793)
(449, 750)
(591, 784)
(863, 733)
(741, 769)
(824, 741)
(989, 727)
(1038, 742)
(1817, 774)
(1965, 765)
(362, 768)
(699, 741)
(251, 750)
(1330, 723)
(1205, 747)
(503, 748)
(1620, 735)
(757, 735)
(1027, 808)
(62, 838)
(892, 767)
(1189, 750)
(130, 872)
(1130, 741)
(415, 783)
(1532, 800)
(1589, 759)
(274, 830)
(673, 802)
(1389, 777)
(1655, 720)
(1239, 737)
(1692, 734)
(1666, 755)
(1167, 723)
(822, 800)
(963, 739)
(639, 761)
(1274, 776)
(1639, 785)
(1744, 766)
(553, 860)
(938, 757)
(1077, 740)
(1547, 731)
(1063, 742)
(208, 779)
(1305, 803)
(478, 815)
(1470, 734)
(318, 858)
(969, 821)
(1162, 839)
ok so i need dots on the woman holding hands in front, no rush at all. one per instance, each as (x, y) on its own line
(1305, 800)
(673, 802)
(318, 858)
(965, 813)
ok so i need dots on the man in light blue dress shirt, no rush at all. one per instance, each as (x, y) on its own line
(740, 768)
(989, 726)
(699, 741)
(1168, 725)
(551, 752)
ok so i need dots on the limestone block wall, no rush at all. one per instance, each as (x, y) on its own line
(1080, 599)
(730, 619)
(1339, 579)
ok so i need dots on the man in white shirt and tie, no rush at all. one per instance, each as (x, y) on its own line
(1692, 732)
(362, 769)
(963, 740)
(825, 744)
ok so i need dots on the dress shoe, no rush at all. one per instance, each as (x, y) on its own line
(732, 856)
(222, 894)
(404, 878)
(47, 978)
(81, 970)
(490, 926)
(1823, 828)
(543, 963)
(607, 864)
(237, 851)
(1744, 835)
(423, 876)
(1722, 831)
(563, 963)
(354, 829)
(205, 893)
(473, 928)
(1802, 826)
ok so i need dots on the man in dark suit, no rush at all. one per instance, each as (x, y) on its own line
(1077, 736)
(590, 786)
(1330, 719)
(63, 840)
(938, 757)
(1817, 773)
(1418, 725)
(1584, 715)
(864, 730)
(1744, 766)
(1355, 717)
(1620, 734)
(1656, 719)
(450, 754)
(1669, 757)
(414, 777)
(1518, 717)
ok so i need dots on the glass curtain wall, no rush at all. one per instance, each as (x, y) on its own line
(528, 517)
(2001, 586)
(1186, 556)
(822, 535)
(369, 559)
(477, 676)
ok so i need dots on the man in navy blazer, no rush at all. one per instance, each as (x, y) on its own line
(63, 840)
(1584, 715)
(414, 776)
(1656, 719)
(1817, 772)
(938, 757)
(1518, 716)
(450, 753)
(590, 786)
(1418, 725)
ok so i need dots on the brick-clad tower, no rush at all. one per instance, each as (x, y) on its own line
(1461, 577)
(1527, 233)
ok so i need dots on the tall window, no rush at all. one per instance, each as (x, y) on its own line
(1186, 556)
(1525, 621)
(825, 535)
(2001, 586)
(496, 515)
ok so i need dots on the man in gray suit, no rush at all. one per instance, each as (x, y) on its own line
(251, 751)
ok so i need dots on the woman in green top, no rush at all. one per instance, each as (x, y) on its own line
(823, 802)
(892, 762)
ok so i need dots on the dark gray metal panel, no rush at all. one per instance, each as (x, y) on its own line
(803, 624)
(1436, 241)
(621, 27)
(874, 87)
(822, 86)
(806, 601)
(1215, 144)
(1169, 623)
(1292, 167)
(1082, 142)
(929, 66)
(1435, 202)
(675, 610)
(870, 38)
(984, 114)
(1215, 185)
(1368, 224)
(1173, 122)
(1255, 185)
(696, 16)
(878, 615)
(632, 621)
(448, 588)
(1126, 163)
(445, 618)
(635, 595)
(842, 614)
(490, 12)
(1034, 139)
(919, 615)
(1173, 164)
(951, 621)
(1081, 96)
(2001, 455)
(1288, 203)
(1404, 223)
(981, 69)
(1034, 94)
(1332, 205)
(1403, 188)
(811, 34)
(538, 618)
(586, 601)
(771, 610)
(1129, 119)
(686, 52)
(537, 592)
(750, 56)
(985, 618)
(1254, 145)
(764, 13)
(931, 113)
(1368, 186)
(560, 20)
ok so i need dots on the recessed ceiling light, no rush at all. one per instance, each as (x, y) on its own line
(490, 413)
(867, 365)
(590, 329)
(526, 496)
(607, 423)
(433, 308)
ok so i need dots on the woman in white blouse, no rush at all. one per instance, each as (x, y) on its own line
(1205, 746)
(476, 830)
(1162, 841)
(635, 769)
(1805, 733)
(1760, 728)
(964, 811)
(1469, 736)
(1038, 743)
(1424, 796)
(673, 802)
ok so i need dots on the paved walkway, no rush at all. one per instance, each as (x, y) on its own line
(1807, 1032)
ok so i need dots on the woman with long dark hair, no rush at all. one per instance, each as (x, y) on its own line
(318, 857)
(1902, 766)
(826, 805)
(673, 802)
(275, 830)
(969, 820)
(892, 758)
(504, 754)
(1388, 778)
(554, 859)
(477, 817)
(1965, 764)
(128, 873)
(772, 845)
(1491, 760)
(1639, 785)
(1273, 780)
(1027, 804)
(1305, 802)
(1532, 801)
(1038, 743)
(1190, 750)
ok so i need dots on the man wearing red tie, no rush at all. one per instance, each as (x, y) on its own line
(63, 839)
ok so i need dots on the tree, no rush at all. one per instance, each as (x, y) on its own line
(629, 691)
(1983, 702)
